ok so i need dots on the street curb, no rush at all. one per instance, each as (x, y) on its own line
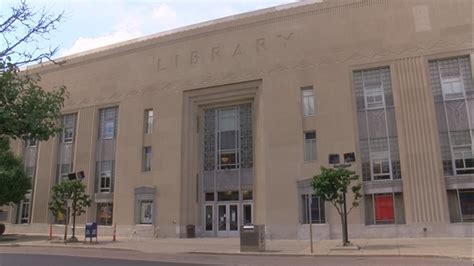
(327, 255)
(269, 254)
(67, 246)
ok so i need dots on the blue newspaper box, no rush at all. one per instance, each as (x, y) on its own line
(91, 231)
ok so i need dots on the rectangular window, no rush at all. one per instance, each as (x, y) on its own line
(146, 212)
(310, 146)
(24, 208)
(228, 138)
(105, 175)
(148, 121)
(108, 121)
(307, 96)
(104, 213)
(376, 122)
(209, 196)
(463, 159)
(374, 96)
(453, 94)
(68, 131)
(228, 196)
(466, 199)
(380, 165)
(387, 208)
(146, 159)
(312, 210)
(63, 171)
(461, 205)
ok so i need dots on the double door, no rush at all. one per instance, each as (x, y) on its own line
(224, 218)
(227, 219)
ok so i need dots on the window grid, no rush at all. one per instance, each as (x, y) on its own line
(228, 138)
(453, 95)
(376, 124)
(149, 116)
(313, 209)
(108, 123)
(307, 94)
(310, 151)
(146, 159)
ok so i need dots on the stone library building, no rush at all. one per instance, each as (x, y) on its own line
(225, 123)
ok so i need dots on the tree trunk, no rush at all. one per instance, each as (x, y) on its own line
(65, 224)
(74, 220)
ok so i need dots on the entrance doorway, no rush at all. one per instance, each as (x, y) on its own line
(227, 219)
(223, 219)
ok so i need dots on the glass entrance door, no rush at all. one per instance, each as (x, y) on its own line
(227, 219)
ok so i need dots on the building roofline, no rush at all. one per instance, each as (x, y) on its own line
(173, 32)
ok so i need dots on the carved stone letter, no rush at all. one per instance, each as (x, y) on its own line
(194, 57)
(285, 38)
(261, 45)
(237, 50)
(159, 65)
(215, 52)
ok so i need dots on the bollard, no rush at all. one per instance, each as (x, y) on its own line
(115, 231)
(50, 237)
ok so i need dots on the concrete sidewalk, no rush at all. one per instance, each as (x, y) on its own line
(430, 247)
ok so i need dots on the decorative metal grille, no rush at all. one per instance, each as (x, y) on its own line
(246, 148)
(209, 139)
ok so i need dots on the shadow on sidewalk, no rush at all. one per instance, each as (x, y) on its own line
(21, 238)
(384, 247)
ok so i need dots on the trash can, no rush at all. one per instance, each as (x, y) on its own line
(252, 237)
(190, 231)
(91, 231)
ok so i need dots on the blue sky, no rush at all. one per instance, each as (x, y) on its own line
(90, 24)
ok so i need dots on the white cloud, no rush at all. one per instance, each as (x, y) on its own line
(125, 30)
(164, 12)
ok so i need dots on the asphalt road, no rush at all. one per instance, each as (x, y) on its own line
(25, 256)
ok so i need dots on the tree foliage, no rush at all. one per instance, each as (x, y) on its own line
(14, 182)
(332, 184)
(26, 110)
(73, 190)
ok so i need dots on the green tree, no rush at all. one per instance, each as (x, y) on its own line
(27, 112)
(332, 185)
(13, 180)
(75, 192)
